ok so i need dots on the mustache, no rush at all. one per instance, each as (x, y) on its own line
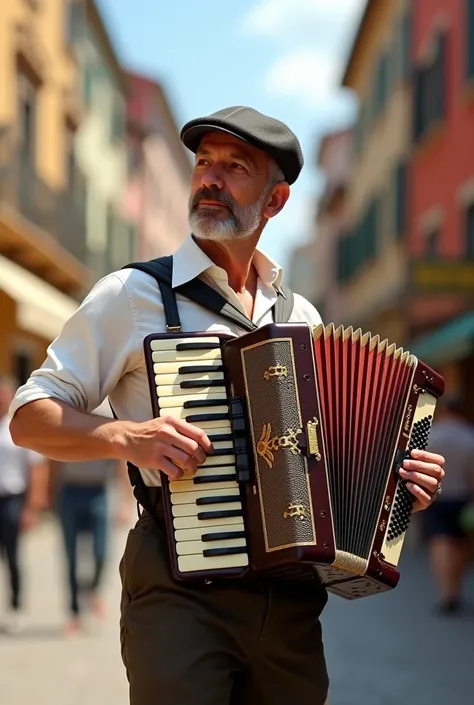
(212, 194)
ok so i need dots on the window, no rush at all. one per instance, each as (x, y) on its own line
(470, 38)
(404, 46)
(27, 119)
(469, 232)
(400, 196)
(23, 366)
(432, 243)
(429, 87)
(117, 126)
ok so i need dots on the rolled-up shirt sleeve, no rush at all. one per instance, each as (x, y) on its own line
(96, 347)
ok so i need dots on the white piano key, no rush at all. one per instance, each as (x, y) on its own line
(214, 470)
(196, 534)
(189, 564)
(168, 383)
(172, 368)
(186, 510)
(178, 401)
(191, 497)
(189, 548)
(192, 522)
(186, 355)
(213, 460)
(177, 392)
(188, 485)
(171, 343)
(180, 413)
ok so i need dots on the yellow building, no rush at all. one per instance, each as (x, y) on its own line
(371, 262)
(42, 234)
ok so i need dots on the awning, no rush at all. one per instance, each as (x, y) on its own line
(453, 341)
(41, 309)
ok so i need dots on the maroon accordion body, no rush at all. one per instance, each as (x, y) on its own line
(310, 425)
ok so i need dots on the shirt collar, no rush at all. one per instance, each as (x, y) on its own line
(189, 262)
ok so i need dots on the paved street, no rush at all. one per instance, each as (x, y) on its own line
(388, 650)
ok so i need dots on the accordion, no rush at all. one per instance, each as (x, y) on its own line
(309, 427)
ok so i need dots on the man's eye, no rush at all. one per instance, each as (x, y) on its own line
(237, 166)
(201, 162)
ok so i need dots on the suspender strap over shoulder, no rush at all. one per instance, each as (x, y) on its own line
(161, 269)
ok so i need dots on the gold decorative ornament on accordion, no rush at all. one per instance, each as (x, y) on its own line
(309, 426)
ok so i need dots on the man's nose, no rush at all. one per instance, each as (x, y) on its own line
(213, 177)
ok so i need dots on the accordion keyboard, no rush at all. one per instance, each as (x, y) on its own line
(207, 507)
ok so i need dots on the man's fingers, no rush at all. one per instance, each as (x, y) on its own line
(187, 463)
(193, 432)
(170, 469)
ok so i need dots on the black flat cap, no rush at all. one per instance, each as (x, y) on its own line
(266, 133)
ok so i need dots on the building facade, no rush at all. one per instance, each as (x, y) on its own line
(371, 251)
(441, 217)
(157, 191)
(334, 159)
(100, 142)
(43, 253)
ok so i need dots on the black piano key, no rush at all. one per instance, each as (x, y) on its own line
(210, 552)
(200, 384)
(198, 369)
(202, 480)
(219, 514)
(216, 437)
(223, 451)
(197, 346)
(224, 499)
(223, 536)
(196, 403)
(196, 418)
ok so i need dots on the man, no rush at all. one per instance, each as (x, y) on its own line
(448, 542)
(255, 641)
(23, 495)
(83, 492)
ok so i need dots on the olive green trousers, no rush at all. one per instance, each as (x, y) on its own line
(233, 642)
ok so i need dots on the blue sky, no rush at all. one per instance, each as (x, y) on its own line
(282, 57)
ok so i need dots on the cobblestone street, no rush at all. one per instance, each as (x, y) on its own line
(389, 650)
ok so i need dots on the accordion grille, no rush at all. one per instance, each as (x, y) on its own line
(363, 385)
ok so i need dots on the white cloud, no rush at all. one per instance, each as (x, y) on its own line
(314, 36)
(285, 18)
(310, 77)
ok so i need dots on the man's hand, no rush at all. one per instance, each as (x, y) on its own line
(423, 473)
(168, 444)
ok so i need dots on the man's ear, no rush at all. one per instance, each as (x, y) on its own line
(279, 196)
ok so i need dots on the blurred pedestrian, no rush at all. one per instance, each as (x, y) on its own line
(83, 498)
(23, 496)
(448, 541)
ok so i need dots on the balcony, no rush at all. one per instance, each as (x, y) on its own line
(41, 228)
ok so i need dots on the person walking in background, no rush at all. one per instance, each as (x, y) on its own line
(82, 492)
(23, 496)
(448, 542)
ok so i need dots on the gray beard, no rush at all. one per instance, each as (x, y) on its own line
(240, 224)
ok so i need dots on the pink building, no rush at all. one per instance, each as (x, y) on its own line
(156, 196)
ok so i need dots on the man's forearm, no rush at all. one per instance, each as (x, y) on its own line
(59, 432)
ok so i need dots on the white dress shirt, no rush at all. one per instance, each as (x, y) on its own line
(99, 352)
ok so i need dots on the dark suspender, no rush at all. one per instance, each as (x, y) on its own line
(161, 270)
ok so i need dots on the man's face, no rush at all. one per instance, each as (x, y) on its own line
(229, 188)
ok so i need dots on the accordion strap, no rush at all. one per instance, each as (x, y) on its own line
(161, 269)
